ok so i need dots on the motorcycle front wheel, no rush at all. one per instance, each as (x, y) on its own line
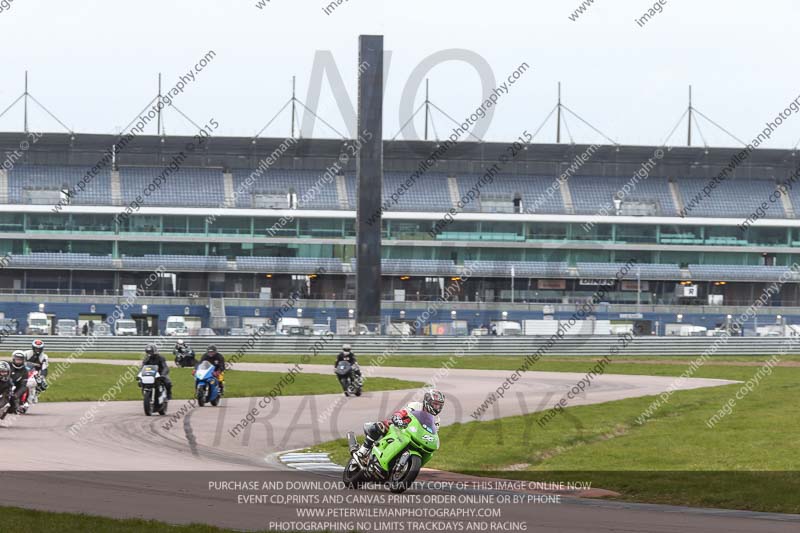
(162, 407)
(353, 475)
(402, 477)
(148, 401)
(201, 396)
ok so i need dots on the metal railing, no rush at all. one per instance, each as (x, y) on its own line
(594, 346)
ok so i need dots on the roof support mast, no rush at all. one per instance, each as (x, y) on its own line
(558, 115)
(25, 102)
(158, 108)
(294, 99)
(427, 107)
(689, 135)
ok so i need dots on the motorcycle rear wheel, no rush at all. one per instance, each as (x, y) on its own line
(215, 401)
(400, 480)
(353, 475)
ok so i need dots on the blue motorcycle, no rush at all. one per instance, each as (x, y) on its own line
(206, 384)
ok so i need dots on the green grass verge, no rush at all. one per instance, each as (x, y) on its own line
(747, 461)
(47, 522)
(89, 382)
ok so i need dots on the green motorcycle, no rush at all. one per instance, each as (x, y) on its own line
(396, 458)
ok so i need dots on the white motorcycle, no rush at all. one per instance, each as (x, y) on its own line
(154, 391)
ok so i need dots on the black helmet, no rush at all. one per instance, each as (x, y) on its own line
(151, 349)
(212, 348)
(18, 359)
(5, 371)
(433, 401)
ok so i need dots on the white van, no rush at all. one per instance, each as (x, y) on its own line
(66, 327)
(38, 324)
(294, 326)
(176, 325)
(125, 326)
(507, 327)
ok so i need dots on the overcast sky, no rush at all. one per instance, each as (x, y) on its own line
(94, 63)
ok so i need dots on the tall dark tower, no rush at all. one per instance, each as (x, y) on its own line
(369, 177)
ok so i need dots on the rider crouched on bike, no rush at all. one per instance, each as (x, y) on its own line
(432, 402)
(19, 377)
(7, 387)
(182, 353)
(38, 358)
(218, 360)
(347, 355)
(154, 358)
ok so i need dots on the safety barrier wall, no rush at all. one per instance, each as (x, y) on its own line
(485, 346)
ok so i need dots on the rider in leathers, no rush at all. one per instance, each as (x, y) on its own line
(154, 358)
(218, 360)
(7, 388)
(432, 402)
(19, 377)
(37, 356)
(347, 355)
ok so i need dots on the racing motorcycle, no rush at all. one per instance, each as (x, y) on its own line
(397, 458)
(5, 404)
(350, 378)
(185, 359)
(206, 384)
(154, 392)
(32, 387)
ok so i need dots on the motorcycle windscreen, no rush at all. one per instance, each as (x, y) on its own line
(149, 371)
(204, 370)
(343, 368)
(427, 420)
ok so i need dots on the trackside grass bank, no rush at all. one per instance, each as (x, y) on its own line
(90, 382)
(46, 522)
(748, 460)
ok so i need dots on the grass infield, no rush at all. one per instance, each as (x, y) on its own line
(748, 460)
(89, 382)
(47, 522)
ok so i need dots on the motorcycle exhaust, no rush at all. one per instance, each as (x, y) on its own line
(352, 442)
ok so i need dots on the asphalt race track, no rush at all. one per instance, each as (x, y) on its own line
(123, 464)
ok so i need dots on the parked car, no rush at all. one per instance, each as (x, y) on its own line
(206, 332)
(238, 332)
(66, 327)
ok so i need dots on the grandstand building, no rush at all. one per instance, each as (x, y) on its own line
(241, 224)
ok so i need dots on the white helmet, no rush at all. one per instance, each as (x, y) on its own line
(18, 354)
(345, 347)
